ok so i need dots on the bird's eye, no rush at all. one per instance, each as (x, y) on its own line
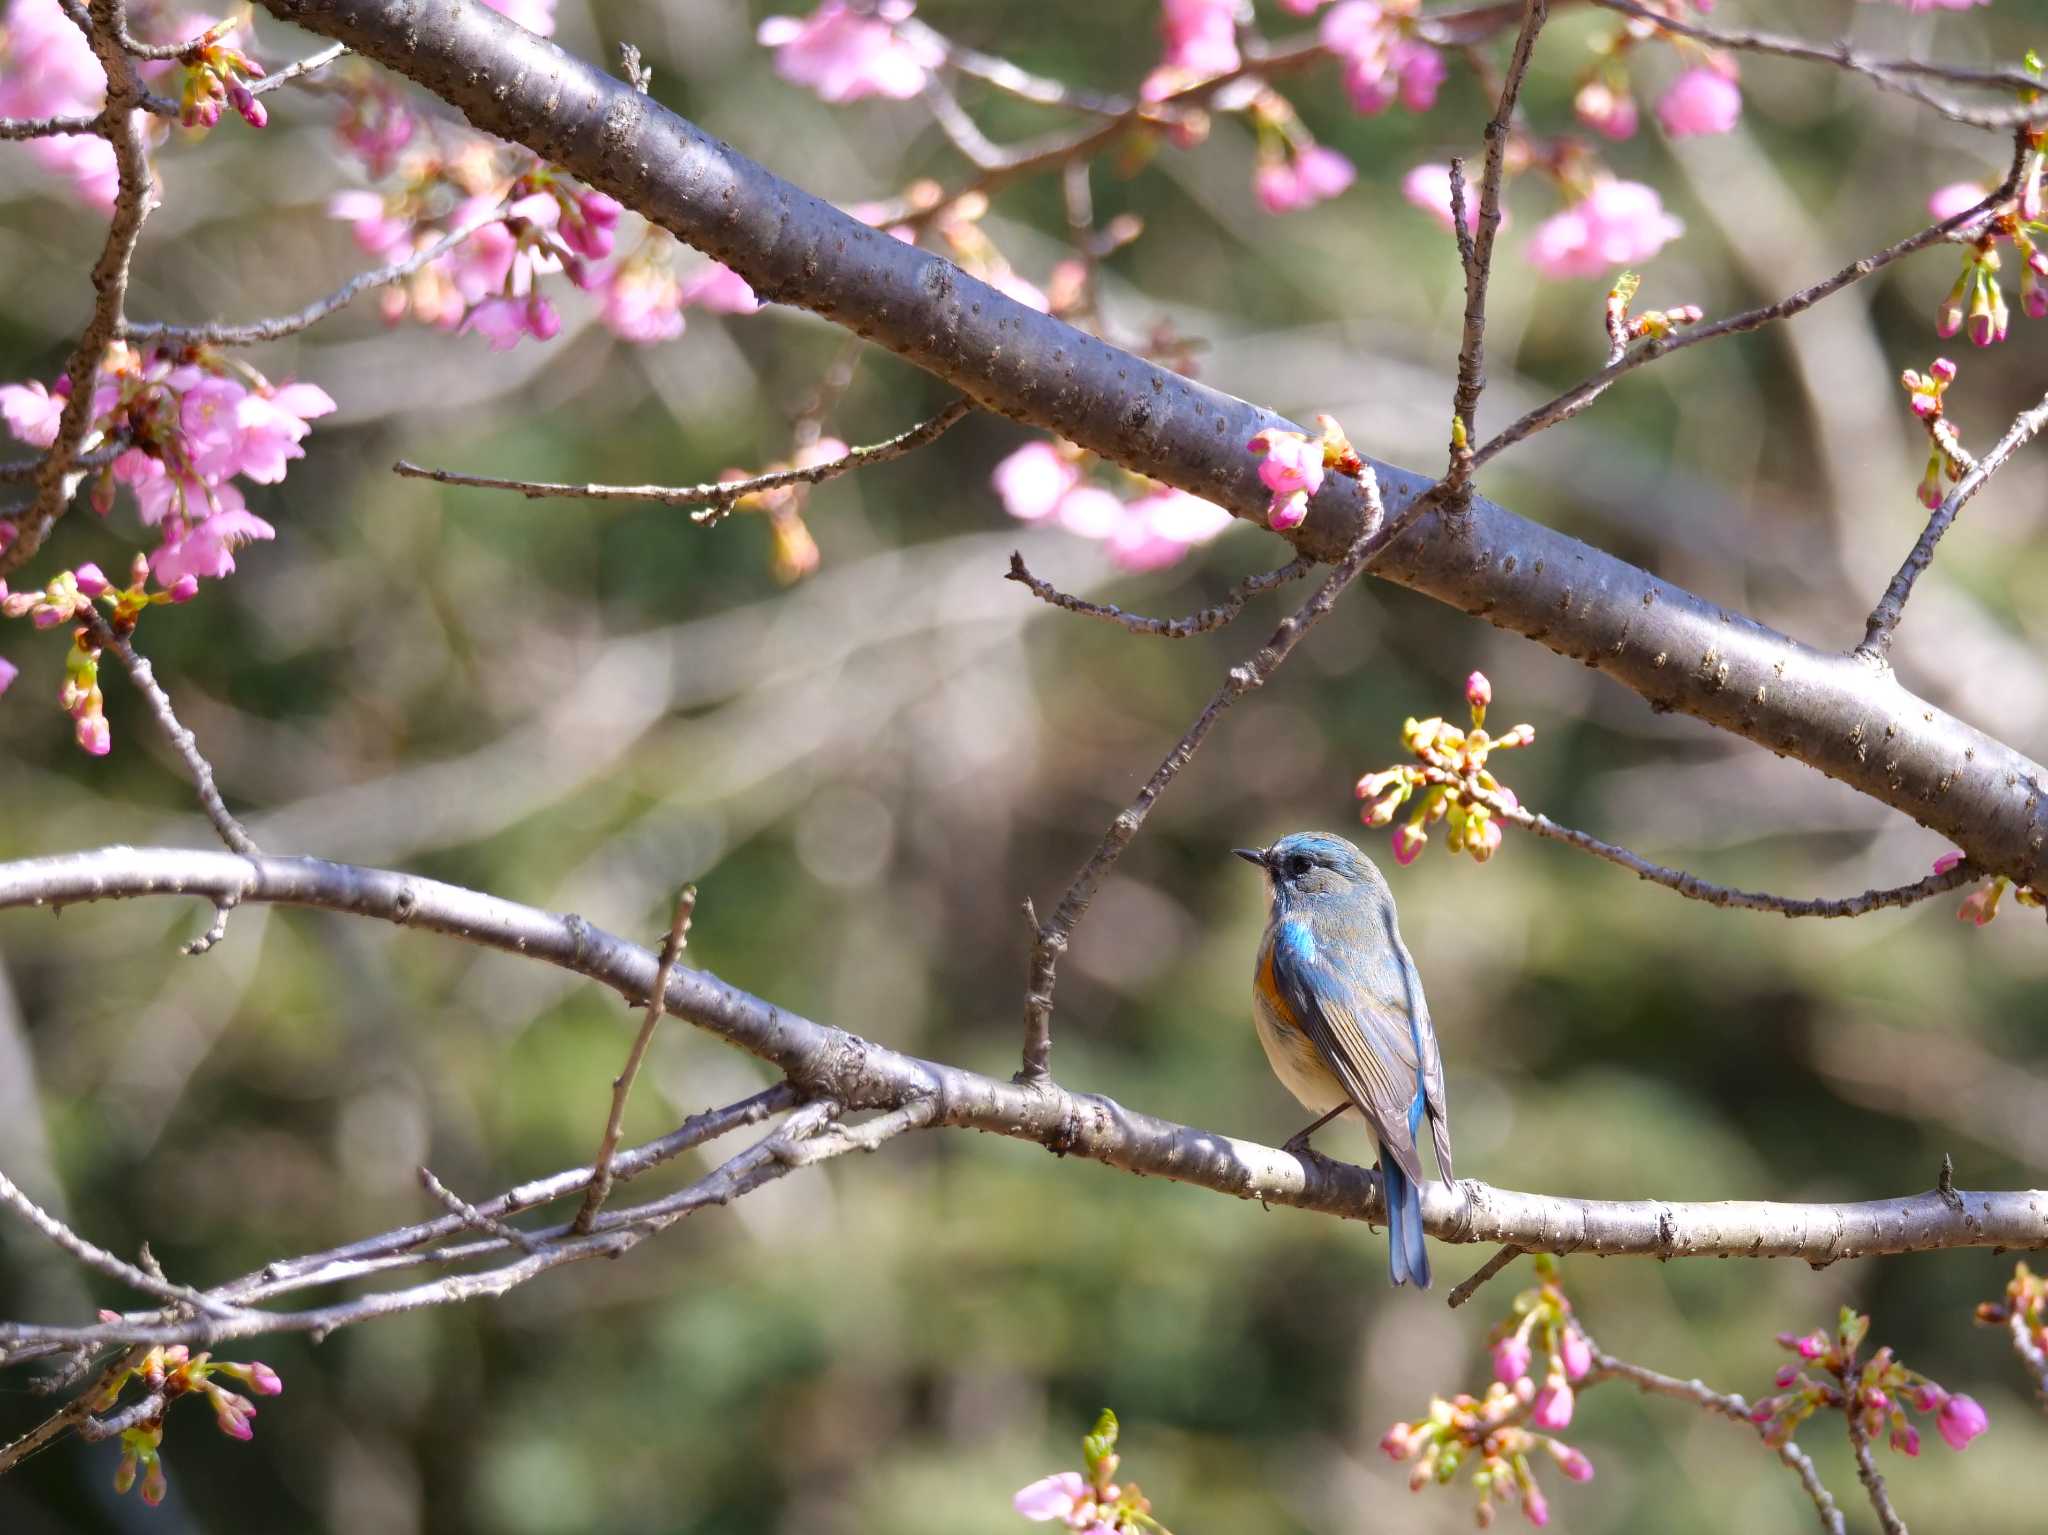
(1297, 866)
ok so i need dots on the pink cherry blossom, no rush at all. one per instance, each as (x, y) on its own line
(207, 548)
(590, 233)
(1960, 1421)
(844, 55)
(1428, 187)
(1535, 1508)
(1291, 467)
(47, 69)
(1571, 1462)
(720, 290)
(376, 230)
(1200, 38)
(1381, 62)
(8, 672)
(1159, 528)
(1609, 112)
(1089, 511)
(643, 302)
(32, 412)
(1051, 1497)
(1957, 197)
(1702, 100)
(1031, 481)
(1408, 843)
(1314, 175)
(1618, 224)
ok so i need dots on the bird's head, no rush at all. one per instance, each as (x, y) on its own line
(1309, 864)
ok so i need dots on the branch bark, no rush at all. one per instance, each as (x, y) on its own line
(1837, 714)
(829, 1063)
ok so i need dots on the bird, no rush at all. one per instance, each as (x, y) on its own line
(1338, 1006)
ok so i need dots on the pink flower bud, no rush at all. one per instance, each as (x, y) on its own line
(153, 1485)
(1961, 1420)
(1785, 1376)
(1942, 370)
(1571, 1462)
(1408, 841)
(1552, 1408)
(1905, 1438)
(1483, 840)
(1511, 1358)
(1573, 1349)
(1478, 691)
(92, 580)
(1534, 1507)
(1702, 100)
(1398, 1442)
(244, 102)
(93, 735)
(184, 589)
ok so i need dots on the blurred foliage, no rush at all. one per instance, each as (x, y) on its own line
(582, 706)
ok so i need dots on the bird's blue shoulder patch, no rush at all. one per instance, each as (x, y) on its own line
(1295, 942)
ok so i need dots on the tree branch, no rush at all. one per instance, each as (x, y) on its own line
(1873, 1480)
(1675, 649)
(1205, 621)
(826, 1062)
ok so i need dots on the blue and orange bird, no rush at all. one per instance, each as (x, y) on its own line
(1339, 1009)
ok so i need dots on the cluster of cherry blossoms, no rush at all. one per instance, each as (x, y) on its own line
(527, 222)
(1093, 1502)
(1502, 1432)
(1877, 1392)
(1452, 778)
(1149, 526)
(172, 1373)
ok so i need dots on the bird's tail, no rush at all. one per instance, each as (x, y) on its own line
(1406, 1256)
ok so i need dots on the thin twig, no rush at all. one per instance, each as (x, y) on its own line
(961, 130)
(714, 498)
(1052, 936)
(622, 1085)
(183, 742)
(1205, 621)
(2030, 1352)
(92, 1430)
(474, 1218)
(47, 127)
(56, 476)
(99, 1259)
(1606, 1366)
(298, 70)
(1478, 258)
(1887, 74)
(1873, 1479)
(1891, 607)
(1568, 404)
(1484, 1272)
(71, 1416)
(1005, 76)
(291, 324)
(1694, 888)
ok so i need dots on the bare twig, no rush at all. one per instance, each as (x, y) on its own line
(73, 1415)
(1568, 404)
(102, 1261)
(312, 63)
(2030, 1353)
(1480, 1275)
(714, 498)
(1606, 1366)
(1204, 622)
(1888, 74)
(1050, 940)
(183, 742)
(56, 475)
(1873, 1480)
(622, 1085)
(961, 130)
(474, 1218)
(1694, 888)
(291, 324)
(47, 127)
(1884, 618)
(1477, 252)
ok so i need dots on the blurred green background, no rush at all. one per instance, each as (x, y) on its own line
(582, 706)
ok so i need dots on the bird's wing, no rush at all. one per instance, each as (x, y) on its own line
(1356, 1023)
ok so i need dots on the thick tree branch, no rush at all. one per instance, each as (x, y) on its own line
(1680, 652)
(830, 1063)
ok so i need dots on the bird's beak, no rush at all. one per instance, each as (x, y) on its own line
(1255, 855)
